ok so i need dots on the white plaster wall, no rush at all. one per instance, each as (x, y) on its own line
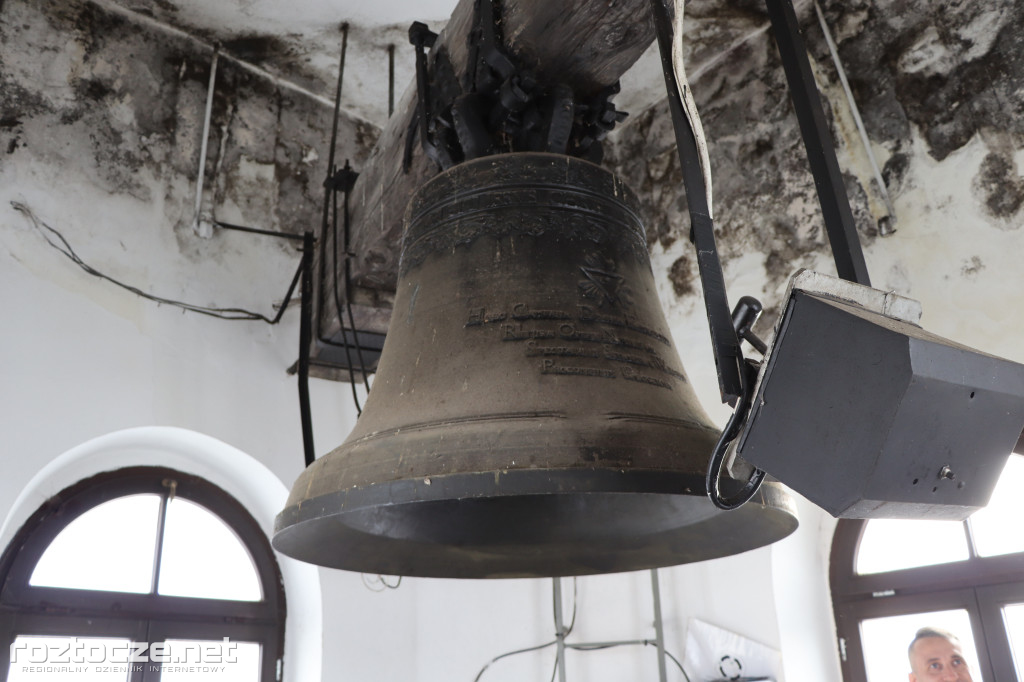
(81, 358)
(240, 475)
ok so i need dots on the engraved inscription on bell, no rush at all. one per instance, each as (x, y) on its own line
(596, 335)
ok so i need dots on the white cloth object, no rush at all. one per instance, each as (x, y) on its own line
(713, 654)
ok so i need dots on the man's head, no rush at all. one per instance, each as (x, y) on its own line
(935, 656)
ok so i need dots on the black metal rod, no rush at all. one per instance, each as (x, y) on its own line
(291, 289)
(305, 341)
(337, 298)
(329, 182)
(391, 80)
(282, 235)
(724, 342)
(253, 230)
(348, 286)
(828, 180)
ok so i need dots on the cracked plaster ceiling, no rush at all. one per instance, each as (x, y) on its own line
(945, 77)
(949, 70)
(300, 41)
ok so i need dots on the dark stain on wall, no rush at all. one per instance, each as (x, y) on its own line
(256, 49)
(1000, 185)
(895, 171)
(84, 88)
(952, 71)
(681, 274)
(972, 267)
(765, 200)
(284, 56)
(166, 6)
(951, 68)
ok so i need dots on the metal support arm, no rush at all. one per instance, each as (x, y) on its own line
(828, 180)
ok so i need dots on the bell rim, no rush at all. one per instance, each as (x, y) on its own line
(769, 517)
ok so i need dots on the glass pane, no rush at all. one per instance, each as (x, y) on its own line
(109, 547)
(202, 557)
(886, 640)
(1013, 615)
(206, 661)
(889, 545)
(56, 659)
(996, 528)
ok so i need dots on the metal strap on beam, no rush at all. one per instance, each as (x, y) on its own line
(724, 342)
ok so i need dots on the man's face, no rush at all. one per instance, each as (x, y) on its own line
(936, 659)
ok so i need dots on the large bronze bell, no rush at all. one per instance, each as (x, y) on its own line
(530, 416)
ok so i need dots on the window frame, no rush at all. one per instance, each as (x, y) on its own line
(980, 585)
(26, 609)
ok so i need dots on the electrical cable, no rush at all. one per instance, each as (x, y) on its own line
(328, 191)
(64, 247)
(512, 653)
(674, 660)
(305, 344)
(254, 230)
(331, 198)
(385, 585)
(368, 584)
(689, 106)
(337, 293)
(576, 647)
(855, 112)
(572, 621)
(572, 624)
(348, 276)
(645, 642)
(329, 218)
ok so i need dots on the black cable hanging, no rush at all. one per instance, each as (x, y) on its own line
(304, 273)
(61, 244)
(345, 180)
(305, 341)
(328, 191)
(339, 180)
(337, 294)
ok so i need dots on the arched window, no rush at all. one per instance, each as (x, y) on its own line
(138, 575)
(890, 578)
